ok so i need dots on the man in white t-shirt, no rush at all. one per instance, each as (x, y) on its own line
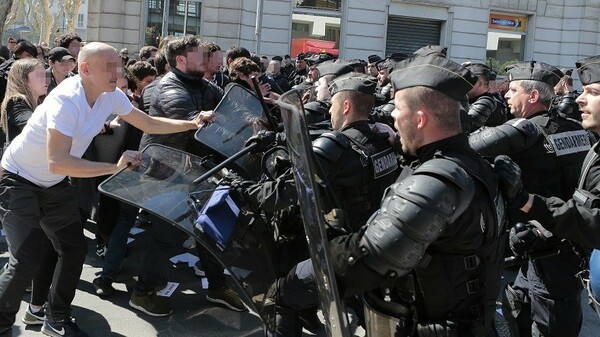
(35, 192)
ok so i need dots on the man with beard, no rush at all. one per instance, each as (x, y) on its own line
(431, 255)
(181, 94)
(37, 198)
(213, 72)
(359, 164)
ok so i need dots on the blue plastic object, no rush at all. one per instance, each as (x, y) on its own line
(218, 217)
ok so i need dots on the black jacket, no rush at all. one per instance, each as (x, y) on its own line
(181, 96)
(429, 231)
(53, 84)
(577, 219)
(18, 112)
(4, 69)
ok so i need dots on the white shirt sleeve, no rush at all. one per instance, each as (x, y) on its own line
(122, 104)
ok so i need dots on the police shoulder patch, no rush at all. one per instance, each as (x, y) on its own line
(570, 142)
(384, 162)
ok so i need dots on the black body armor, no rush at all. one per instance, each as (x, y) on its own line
(437, 239)
(361, 164)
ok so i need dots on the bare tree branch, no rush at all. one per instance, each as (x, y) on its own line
(9, 10)
(70, 9)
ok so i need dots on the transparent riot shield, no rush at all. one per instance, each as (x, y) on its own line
(302, 157)
(239, 116)
(164, 186)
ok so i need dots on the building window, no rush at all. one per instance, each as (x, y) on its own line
(80, 19)
(176, 19)
(332, 33)
(192, 7)
(319, 4)
(300, 29)
(155, 5)
(315, 33)
(506, 40)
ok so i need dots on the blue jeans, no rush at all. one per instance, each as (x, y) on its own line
(117, 243)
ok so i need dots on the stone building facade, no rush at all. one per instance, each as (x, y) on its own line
(554, 31)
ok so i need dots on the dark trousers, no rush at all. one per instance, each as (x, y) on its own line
(164, 240)
(45, 273)
(42, 280)
(27, 208)
(296, 292)
(109, 210)
(532, 311)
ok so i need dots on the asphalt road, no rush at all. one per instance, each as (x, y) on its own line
(193, 315)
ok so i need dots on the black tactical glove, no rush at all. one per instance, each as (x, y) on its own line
(510, 181)
(262, 141)
(524, 238)
(240, 188)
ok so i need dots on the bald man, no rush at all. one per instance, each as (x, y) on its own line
(36, 198)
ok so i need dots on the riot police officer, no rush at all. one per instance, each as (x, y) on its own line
(503, 116)
(430, 257)
(484, 109)
(545, 298)
(577, 218)
(359, 164)
(565, 100)
(384, 92)
(299, 74)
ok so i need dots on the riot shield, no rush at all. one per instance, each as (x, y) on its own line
(239, 116)
(303, 160)
(164, 186)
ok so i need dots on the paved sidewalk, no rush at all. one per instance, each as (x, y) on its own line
(193, 315)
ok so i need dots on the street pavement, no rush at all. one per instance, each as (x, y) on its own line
(112, 316)
(192, 316)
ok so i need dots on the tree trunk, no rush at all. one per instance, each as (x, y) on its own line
(5, 7)
(71, 7)
(47, 22)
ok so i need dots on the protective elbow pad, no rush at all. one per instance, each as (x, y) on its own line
(513, 136)
(481, 110)
(567, 105)
(412, 215)
(330, 146)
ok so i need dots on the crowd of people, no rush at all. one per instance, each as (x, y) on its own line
(432, 169)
